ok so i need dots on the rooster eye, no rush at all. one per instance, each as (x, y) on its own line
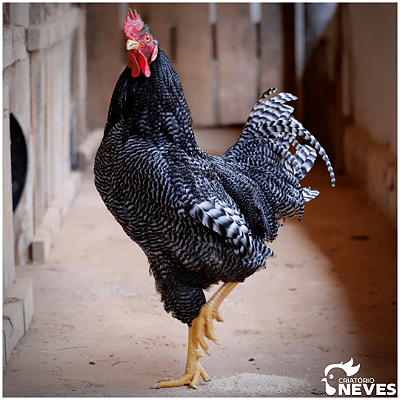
(147, 38)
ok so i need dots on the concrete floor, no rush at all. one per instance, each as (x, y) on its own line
(99, 328)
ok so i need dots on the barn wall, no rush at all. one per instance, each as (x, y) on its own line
(44, 91)
(374, 102)
(350, 94)
(105, 61)
(226, 55)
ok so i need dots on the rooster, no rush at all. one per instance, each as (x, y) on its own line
(200, 219)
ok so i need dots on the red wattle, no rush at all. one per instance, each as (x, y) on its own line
(133, 65)
(144, 65)
(138, 62)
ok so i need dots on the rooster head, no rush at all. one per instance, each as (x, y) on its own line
(143, 49)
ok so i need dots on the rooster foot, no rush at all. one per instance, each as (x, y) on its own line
(192, 375)
(202, 326)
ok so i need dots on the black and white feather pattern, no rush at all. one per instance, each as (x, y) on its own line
(199, 219)
(272, 119)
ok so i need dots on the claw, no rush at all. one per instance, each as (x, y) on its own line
(217, 316)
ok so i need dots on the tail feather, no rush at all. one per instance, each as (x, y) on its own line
(305, 158)
(271, 155)
(272, 119)
(309, 194)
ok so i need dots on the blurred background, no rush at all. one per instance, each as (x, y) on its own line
(61, 63)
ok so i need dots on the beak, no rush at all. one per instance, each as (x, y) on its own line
(132, 45)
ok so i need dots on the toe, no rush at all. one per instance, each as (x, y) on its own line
(191, 378)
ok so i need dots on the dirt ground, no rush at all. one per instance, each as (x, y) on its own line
(99, 328)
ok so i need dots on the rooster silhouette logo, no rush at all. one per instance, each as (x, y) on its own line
(348, 368)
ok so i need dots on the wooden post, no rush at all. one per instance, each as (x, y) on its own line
(237, 73)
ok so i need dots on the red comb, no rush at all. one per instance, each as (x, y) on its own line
(133, 24)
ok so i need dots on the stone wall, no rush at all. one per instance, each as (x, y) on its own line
(44, 123)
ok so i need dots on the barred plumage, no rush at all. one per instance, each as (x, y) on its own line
(199, 219)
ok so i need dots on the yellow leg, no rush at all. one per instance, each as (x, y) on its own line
(202, 326)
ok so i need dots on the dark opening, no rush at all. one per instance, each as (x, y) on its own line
(19, 161)
(289, 77)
